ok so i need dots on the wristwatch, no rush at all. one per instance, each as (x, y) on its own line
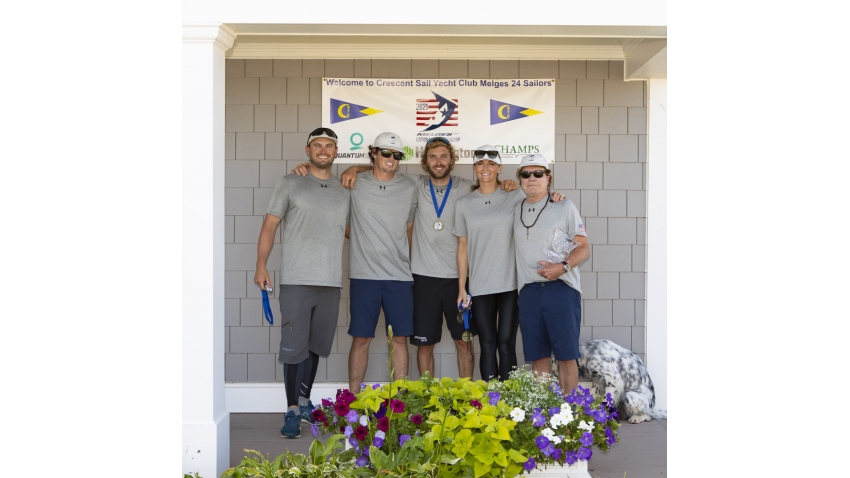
(566, 266)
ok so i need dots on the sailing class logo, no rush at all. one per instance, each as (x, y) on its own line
(501, 112)
(346, 110)
(436, 112)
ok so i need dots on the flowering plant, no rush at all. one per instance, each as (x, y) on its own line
(452, 428)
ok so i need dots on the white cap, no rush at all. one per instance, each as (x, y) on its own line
(322, 133)
(388, 141)
(487, 147)
(534, 160)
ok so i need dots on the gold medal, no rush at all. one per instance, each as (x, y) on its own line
(467, 336)
(438, 226)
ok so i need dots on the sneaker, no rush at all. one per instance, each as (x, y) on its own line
(307, 412)
(291, 425)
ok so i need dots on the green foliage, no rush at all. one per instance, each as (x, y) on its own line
(322, 461)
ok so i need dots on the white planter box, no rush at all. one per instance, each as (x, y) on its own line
(576, 470)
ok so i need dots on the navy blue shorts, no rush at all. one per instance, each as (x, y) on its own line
(550, 320)
(367, 299)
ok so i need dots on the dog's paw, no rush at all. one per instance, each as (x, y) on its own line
(641, 417)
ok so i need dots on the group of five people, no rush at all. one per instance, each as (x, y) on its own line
(420, 245)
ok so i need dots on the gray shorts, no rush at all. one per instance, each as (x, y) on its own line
(309, 315)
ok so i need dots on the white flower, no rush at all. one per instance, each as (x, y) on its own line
(555, 439)
(518, 415)
(547, 432)
(364, 420)
(586, 426)
(380, 434)
(556, 420)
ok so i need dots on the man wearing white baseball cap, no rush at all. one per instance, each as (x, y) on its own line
(383, 205)
(549, 292)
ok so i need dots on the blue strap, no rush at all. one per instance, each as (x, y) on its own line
(267, 308)
(445, 198)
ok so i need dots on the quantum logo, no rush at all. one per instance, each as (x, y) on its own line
(356, 141)
(437, 112)
(501, 112)
(345, 110)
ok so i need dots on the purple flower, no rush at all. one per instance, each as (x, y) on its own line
(416, 419)
(383, 424)
(476, 404)
(365, 451)
(570, 457)
(349, 430)
(403, 439)
(541, 442)
(554, 411)
(352, 441)
(556, 389)
(382, 411)
(556, 454)
(584, 453)
(352, 416)
(494, 397)
(397, 406)
(361, 432)
(315, 429)
(586, 439)
(537, 418)
(362, 386)
(378, 442)
(530, 464)
(362, 460)
(611, 439)
(327, 403)
(376, 386)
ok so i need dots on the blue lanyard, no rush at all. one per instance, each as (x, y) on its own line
(466, 317)
(434, 196)
(267, 308)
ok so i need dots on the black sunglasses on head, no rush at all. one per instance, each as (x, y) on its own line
(480, 154)
(537, 173)
(321, 131)
(395, 154)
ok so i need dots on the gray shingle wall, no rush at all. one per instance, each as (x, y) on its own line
(600, 137)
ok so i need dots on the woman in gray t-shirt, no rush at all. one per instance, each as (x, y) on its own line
(484, 226)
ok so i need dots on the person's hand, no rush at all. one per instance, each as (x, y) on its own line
(349, 177)
(261, 278)
(302, 169)
(461, 296)
(550, 270)
(509, 185)
(556, 196)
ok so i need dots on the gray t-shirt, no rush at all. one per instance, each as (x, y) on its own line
(315, 212)
(380, 211)
(435, 252)
(487, 221)
(530, 242)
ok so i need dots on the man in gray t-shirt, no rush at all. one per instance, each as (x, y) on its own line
(549, 292)
(315, 210)
(383, 205)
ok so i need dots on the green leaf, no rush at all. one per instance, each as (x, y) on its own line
(449, 459)
(501, 433)
(517, 456)
(451, 423)
(481, 469)
(462, 443)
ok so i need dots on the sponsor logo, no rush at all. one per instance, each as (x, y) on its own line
(323, 185)
(345, 110)
(356, 140)
(501, 112)
(408, 153)
(437, 112)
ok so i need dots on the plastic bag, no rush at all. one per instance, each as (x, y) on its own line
(559, 246)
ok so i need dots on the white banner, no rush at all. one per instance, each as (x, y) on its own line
(516, 116)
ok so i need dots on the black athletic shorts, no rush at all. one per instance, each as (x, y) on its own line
(433, 299)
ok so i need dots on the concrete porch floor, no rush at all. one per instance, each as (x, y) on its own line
(640, 451)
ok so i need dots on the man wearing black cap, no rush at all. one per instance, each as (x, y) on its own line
(315, 208)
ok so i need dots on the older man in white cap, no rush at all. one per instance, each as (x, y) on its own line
(383, 205)
(549, 292)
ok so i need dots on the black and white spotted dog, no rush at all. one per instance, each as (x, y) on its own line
(620, 372)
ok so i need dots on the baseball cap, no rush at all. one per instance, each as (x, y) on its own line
(534, 160)
(322, 133)
(388, 141)
(480, 154)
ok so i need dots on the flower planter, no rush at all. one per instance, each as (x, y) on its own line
(576, 470)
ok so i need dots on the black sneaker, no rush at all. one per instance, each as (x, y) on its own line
(291, 425)
(307, 412)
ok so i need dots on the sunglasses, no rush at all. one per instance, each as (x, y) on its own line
(479, 154)
(395, 154)
(537, 174)
(321, 131)
(440, 138)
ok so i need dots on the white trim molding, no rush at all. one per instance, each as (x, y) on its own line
(222, 36)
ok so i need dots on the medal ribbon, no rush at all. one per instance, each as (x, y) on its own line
(445, 198)
(267, 308)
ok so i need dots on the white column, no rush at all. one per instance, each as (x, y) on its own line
(206, 422)
(656, 240)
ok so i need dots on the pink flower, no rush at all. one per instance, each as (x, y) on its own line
(397, 406)
(416, 419)
(361, 432)
(383, 424)
(475, 403)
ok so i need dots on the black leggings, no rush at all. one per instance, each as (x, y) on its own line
(496, 333)
(298, 378)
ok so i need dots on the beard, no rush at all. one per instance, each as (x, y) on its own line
(434, 175)
(314, 164)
